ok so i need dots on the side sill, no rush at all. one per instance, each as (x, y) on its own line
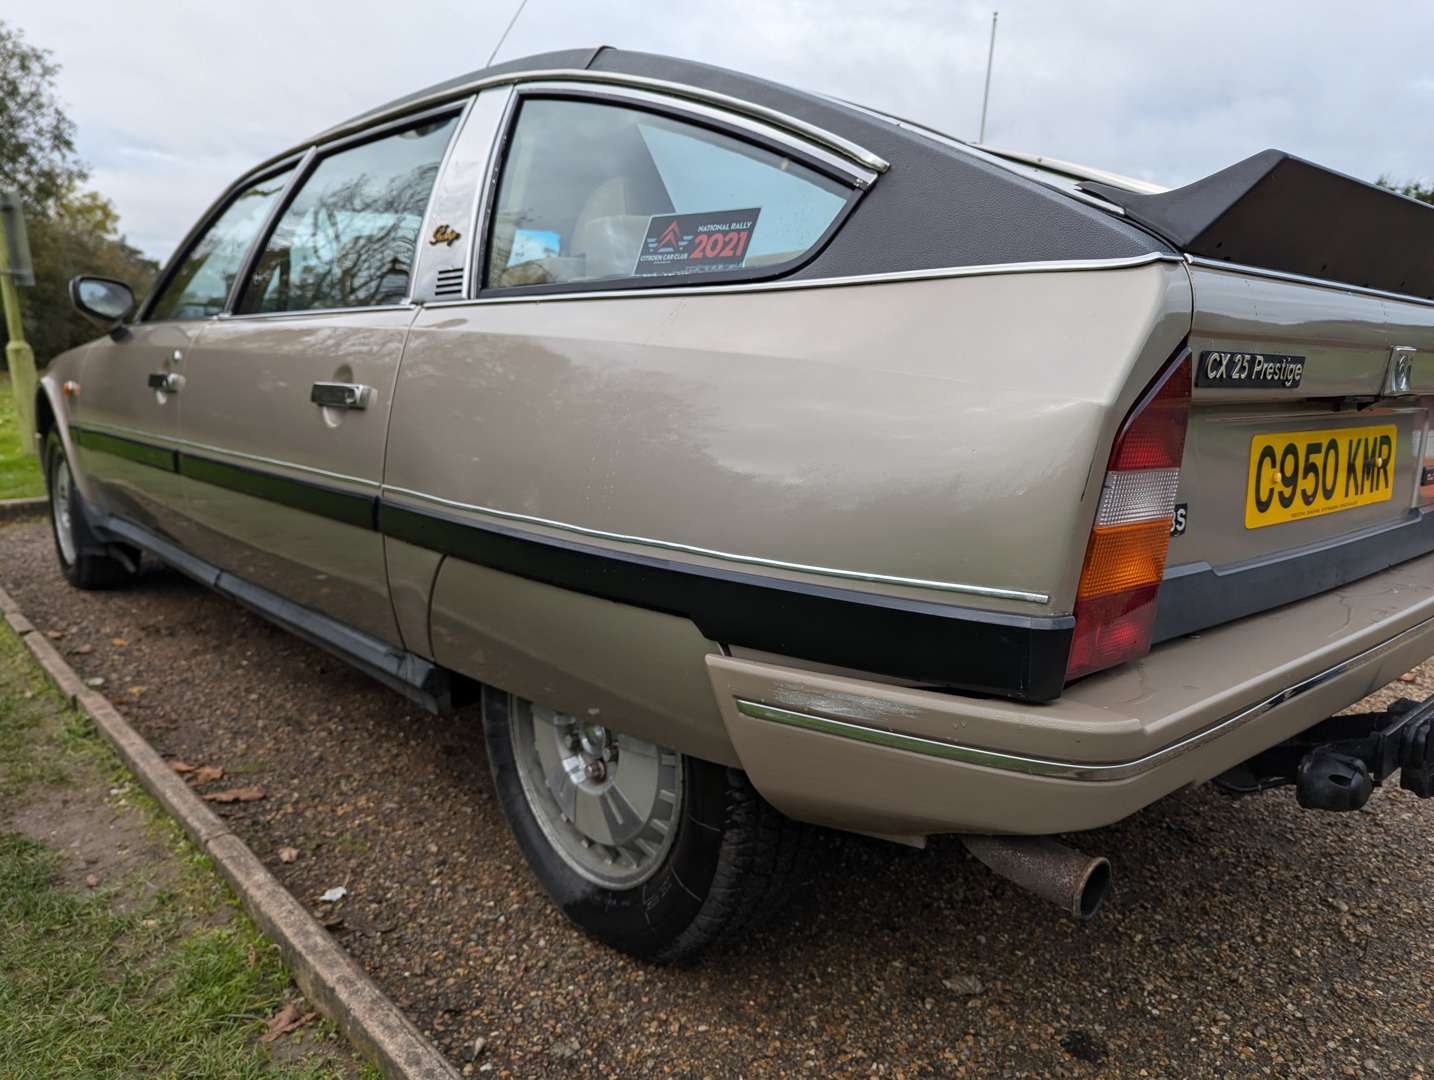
(424, 683)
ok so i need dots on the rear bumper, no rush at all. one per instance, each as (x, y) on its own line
(877, 758)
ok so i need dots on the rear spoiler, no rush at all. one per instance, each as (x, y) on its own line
(1280, 212)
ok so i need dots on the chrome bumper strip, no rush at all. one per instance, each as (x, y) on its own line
(1072, 770)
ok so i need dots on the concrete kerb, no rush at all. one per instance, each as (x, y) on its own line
(329, 977)
(23, 509)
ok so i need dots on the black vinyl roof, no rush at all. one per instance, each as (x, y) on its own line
(937, 206)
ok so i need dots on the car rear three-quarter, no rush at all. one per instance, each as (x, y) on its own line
(771, 462)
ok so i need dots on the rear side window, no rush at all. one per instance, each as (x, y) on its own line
(201, 282)
(594, 192)
(349, 237)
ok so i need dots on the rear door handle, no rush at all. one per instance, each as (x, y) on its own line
(341, 395)
(166, 382)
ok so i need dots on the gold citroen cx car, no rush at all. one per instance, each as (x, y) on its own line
(761, 461)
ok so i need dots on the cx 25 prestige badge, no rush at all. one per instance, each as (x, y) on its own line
(1249, 370)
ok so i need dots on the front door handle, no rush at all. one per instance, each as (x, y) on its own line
(341, 395)
(166, 382)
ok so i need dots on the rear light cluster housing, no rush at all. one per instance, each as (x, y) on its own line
(1125, 558)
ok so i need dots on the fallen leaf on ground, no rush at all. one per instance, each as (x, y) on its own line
(82, 650)
(286, 1020)
(206, 774)
(288, 854)
(91, 880)
(238, 794)
(334, 895)
(54, 635)
(118, 642)
(136, 690)
(95, 683)
(181, 766)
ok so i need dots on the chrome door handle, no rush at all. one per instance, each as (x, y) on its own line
(166, 382)
(341, 395)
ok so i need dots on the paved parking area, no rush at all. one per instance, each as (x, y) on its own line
(1244, 938)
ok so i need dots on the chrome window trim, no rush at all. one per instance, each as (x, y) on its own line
(487, 199)
(721, 119)
(1301, 279)
(758, 135)
(261, 238)
(296, 160)
(406, 305)
(1054, 266)
(307, 164)
(811, 132)
(426, 227)
(1062, 769)
(991, 592)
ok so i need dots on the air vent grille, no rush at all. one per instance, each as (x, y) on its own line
(449, 282)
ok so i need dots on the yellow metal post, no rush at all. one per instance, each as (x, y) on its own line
(19, 357)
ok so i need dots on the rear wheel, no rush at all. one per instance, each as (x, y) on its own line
(653, 852)
(83, 560)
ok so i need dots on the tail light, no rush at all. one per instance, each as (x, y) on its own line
(1125, 559)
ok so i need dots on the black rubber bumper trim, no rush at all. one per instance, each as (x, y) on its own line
(1196, 596)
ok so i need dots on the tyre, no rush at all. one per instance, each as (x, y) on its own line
(652, 852)
(85, 562)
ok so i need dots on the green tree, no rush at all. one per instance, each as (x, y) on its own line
(72, 231)
(1423, 190)
(80, 235)
(37, 140)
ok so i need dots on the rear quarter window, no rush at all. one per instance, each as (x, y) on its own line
(592, 192)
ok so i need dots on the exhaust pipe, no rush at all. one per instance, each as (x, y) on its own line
(1070, 879)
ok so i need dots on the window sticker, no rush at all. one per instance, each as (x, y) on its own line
(696, 243)
(530, 245)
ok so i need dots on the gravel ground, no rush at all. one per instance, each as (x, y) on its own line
(1244, 938)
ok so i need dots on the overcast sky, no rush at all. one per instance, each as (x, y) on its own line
(179, 97)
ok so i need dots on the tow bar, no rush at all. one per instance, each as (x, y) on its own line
(1337, 764)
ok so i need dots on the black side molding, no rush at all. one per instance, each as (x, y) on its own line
(426, 684)
(927, 642)
(1280, 212)
(1016, 656)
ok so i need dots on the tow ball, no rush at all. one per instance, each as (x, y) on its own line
(1337, 764)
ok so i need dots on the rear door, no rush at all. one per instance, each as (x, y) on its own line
(1306, 452)
(126, 419)
(287, 399)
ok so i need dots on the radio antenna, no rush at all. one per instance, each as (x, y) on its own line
(986, 97)
(524, 3)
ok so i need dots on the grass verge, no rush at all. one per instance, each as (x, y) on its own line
(158, 973)
(19, 475)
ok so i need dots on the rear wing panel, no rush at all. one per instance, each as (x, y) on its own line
(1280, 212)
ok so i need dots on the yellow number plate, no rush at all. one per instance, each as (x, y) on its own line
(1302, 474)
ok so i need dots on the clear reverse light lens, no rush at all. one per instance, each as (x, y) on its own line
(1137, 495)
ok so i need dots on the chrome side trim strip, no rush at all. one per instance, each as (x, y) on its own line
(1053, 266)
(1300, 279)
(221, 453)
(812, 132)
(1071, 770)
(727, 556)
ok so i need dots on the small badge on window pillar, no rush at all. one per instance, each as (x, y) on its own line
(444, 234)
(696, 243)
